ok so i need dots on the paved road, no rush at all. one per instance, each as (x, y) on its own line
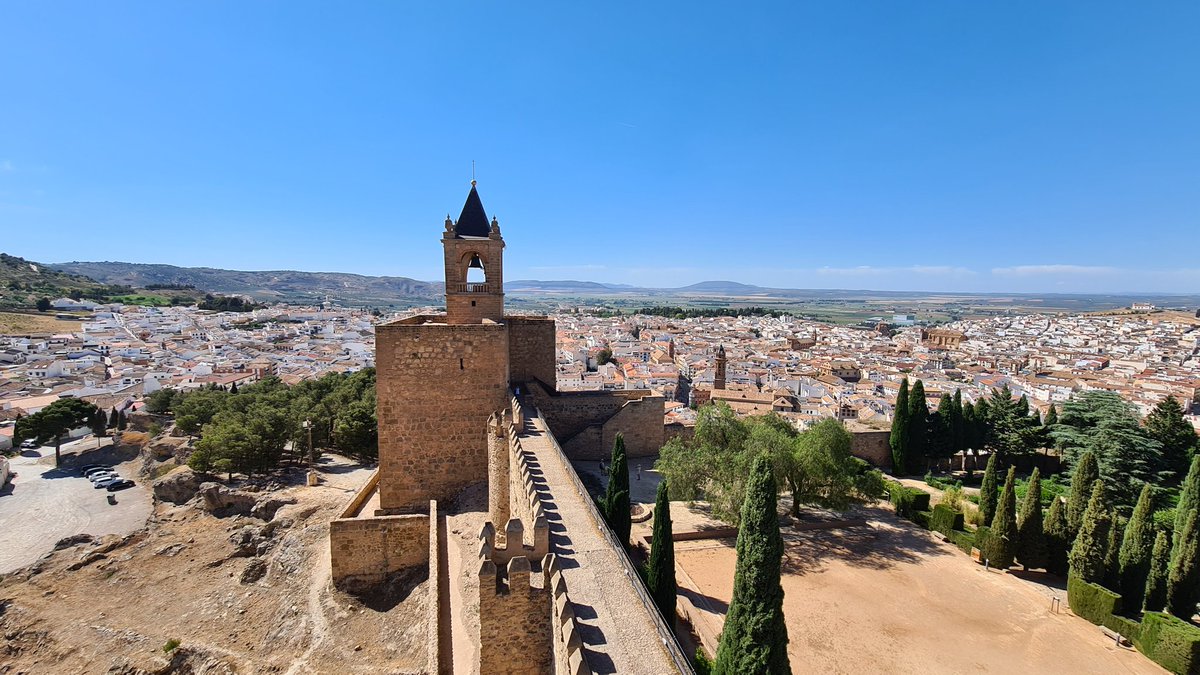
(43, 504)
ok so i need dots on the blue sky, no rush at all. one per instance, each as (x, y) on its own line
(972, 146)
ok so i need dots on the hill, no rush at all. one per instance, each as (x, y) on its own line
(270, 286)
(23, 282)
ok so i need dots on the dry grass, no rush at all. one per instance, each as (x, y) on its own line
(14, 323)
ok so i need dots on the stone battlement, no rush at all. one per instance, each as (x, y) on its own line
(515, 628)
(568, 646)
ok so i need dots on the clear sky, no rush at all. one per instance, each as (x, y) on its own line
(957, 145)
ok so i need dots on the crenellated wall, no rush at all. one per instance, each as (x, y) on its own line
(515, 631)
(568, 646)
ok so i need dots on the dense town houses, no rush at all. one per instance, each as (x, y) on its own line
(803, 370)
(124, 352)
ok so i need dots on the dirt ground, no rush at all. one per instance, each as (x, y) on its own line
(14, 323)
(112, 604)
(890, 598)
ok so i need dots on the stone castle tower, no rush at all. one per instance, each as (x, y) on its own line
(719, 376)
(440, 377)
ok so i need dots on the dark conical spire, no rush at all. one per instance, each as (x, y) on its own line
(473, 221)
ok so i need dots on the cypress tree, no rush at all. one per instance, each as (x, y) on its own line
(917, 456)
(965, 436)
(1189, 495)
(1032, 550)
(1112, 551)
(1156, 582)
(1004, 526)
(1136, 548)
(1183, 579)
(660, 571)
(1051, 416)
(987, 492)
(900, 431)
(112, 418)
(941, 429)
(1087, 555)
(983, 423)
(615, 503)
(233, 388)
(1087, 472)
(755, 637)
(960, 442)
(1057, 538)
(122, 421)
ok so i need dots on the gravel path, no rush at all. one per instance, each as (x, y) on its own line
(618, 634)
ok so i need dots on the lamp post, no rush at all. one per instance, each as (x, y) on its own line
(308, 425)
(311, 477)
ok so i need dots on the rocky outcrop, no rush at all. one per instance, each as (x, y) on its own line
(177, 487)
(223, 502)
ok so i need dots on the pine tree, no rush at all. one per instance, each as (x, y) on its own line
(660, 571)
(900, 431)
(1136, 548)
(1166, 425)
(1087, 554)
(1189, 495)
(1032, 550)
(1183, 579)
(615, 502)
(1057, 538)
(1085, 476)
(1156, 582)
(988, 493)
(1051, 416)
(1112, 551)
(755, 637)
(1004, 526)
(917, 457)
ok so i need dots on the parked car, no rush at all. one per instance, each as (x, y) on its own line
(29, 444)
(105, 482)
(119, 485)
(93, 475)
(83, 470)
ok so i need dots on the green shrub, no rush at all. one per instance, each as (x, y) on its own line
(1092, 601)
(965, 541)
(1170, 642)
(922, 518)
(171, 646)
(907, 501)
(945, 519)
(701, 662)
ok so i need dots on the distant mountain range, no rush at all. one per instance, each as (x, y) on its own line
(356, 289)
(273, 286)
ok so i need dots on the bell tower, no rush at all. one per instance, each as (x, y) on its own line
(719, 377)
(473, 246)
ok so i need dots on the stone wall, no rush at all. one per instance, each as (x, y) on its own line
(531, 349)
(438, 610)
(436, 386)
(586, 422)
(873, 447)
(365, 551)
(568, 646)
(515, 632)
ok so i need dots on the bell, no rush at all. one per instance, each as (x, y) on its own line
(475, 263)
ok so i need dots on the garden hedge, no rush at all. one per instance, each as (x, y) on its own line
(1093, 602)
(907, 501)
(1170, 642)
(945, 520)
(965, 541)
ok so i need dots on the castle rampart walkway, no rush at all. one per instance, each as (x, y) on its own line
(619, 634)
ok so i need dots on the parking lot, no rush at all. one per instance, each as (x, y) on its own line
(43, 504)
